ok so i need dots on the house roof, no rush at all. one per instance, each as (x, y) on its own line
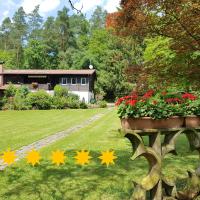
(51, 72)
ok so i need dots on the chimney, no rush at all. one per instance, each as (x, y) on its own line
(1, 73)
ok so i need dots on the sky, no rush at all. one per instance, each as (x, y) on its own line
(50, 7)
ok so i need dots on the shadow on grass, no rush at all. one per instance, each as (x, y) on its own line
(91, 182)
(71, 181)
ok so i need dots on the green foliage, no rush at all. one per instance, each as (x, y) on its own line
(73, 103)
(21, 99)
(102, 104)
(158, 105)
(60, 91)
(73, 97)
(10, 91)
(39, 100)
(83, 105)
(98, 18)
(36, 55)
(70, 42)
(8, 56)
(158, 51)
(59, 102)
(193, 108)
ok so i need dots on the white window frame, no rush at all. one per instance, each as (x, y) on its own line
(85, 81)
(62, 81)
(73, 83)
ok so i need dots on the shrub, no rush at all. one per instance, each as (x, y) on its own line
(39, 100)
(83, 105)
(73, 103)
(10, 91)
(23, 91)
(9, 104)
(19, 100)
(60, 91)
(102, 104)
(74, 97)
(59, 102)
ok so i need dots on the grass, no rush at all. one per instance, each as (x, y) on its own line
(94, 181)
(21, 128)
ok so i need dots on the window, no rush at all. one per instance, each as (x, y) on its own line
(83, 81)
(68, 81)
(64, 81)
(73, 81)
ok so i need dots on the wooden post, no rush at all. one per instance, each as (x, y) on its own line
(155, 143)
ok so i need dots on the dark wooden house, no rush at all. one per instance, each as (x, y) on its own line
(80, 82)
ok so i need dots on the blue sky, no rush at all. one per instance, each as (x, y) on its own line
(50, 7)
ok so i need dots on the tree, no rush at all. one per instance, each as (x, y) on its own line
(173, 19)
(36, 56)
(98, 18)
(35, 24)
(19, 33)
(63, 29)
(5, 35)
(8, 56)
(50, 40)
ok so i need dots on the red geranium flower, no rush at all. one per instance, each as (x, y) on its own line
(148, 94)
(189, 96)
(173, 100)
(131, 102)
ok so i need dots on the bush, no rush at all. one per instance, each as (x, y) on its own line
(74, 97)
(23, 91)
(39, 100)
(83, 105)
(102, 104)
(59, 102)
(10, 91)
(60, 91)
(19, 102)
(8, 104)
(71, 103)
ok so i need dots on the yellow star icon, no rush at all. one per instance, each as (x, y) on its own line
(9, 157)
(82, 157)
(107, 157)
(33, 157)
(58, 157)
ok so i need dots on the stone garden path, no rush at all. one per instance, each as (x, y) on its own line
(21, 153)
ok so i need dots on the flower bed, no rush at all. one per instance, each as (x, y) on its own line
(159, 110)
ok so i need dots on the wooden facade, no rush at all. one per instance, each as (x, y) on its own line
(74, 80)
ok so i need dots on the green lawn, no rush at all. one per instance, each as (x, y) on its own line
(18, 128)
(94, 181)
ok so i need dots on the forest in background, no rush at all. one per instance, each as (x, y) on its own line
(144, 44)
(27, 41)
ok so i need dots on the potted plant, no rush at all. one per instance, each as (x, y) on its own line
(35, 85)
(191, 109)
(151, 111)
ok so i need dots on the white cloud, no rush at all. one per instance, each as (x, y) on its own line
(5, 13)
(45, 5)
(111, 5)
(87, 5)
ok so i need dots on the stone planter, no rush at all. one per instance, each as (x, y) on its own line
(192, 121)
(149, 123)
